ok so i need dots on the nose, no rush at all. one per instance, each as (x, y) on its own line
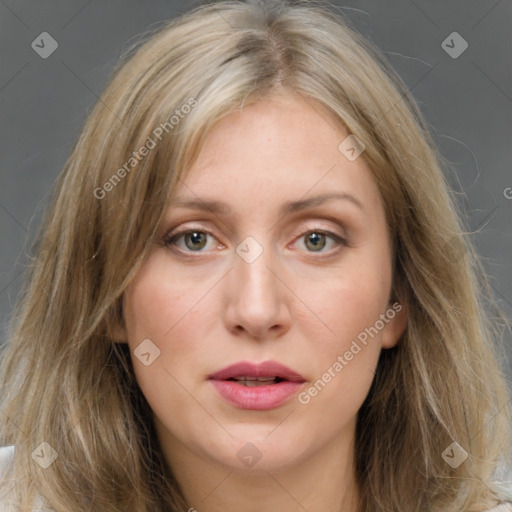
(257, 301)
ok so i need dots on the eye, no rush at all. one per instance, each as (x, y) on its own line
(316, 240)
(194, 239)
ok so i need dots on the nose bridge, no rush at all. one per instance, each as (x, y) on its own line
(252, 271)
(256, 296)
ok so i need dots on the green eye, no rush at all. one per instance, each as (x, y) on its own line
(316, 241)
(194, 240)
(197, 240)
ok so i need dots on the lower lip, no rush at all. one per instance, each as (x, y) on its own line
(258, 398)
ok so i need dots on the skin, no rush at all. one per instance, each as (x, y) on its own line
(293, 304)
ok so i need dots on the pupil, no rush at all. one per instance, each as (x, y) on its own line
(315, 239)
(195, 237)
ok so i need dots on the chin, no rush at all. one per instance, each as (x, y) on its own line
(255, 451)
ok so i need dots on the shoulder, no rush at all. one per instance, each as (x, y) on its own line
(6, 459)
(6, 453)
(6, 462)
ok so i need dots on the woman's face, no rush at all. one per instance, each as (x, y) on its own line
(276, 274)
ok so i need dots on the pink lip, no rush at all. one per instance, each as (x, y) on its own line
(258, 398)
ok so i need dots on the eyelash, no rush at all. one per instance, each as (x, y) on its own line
(170, 240)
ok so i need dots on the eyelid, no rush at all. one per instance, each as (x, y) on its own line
(340, 231)
(174, 232)
(302, 230)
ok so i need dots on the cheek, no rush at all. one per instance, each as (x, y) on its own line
(346, 354)
(348, 300)
(160, 303)
(175, 313)
(344, 362)
(164, 310)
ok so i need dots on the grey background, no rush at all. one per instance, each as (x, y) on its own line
(467, 101)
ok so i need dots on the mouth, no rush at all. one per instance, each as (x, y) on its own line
(257, 386)
(252, 382)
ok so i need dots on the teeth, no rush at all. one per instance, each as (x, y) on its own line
(252, 382)
(255, 383)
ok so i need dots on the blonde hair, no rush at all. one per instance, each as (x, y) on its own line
(66, 382)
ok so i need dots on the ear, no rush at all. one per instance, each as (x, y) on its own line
(397, 314)
(115, 324)
(118, 333)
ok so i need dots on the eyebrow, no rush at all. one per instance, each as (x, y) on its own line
(289, 207)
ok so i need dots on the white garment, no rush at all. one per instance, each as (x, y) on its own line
(7, 453)
(6, 457)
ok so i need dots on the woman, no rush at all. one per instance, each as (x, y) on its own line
(252, 291)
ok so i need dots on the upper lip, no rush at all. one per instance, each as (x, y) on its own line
(265, 369)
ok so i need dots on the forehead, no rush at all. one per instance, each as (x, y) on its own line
(279, 148)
